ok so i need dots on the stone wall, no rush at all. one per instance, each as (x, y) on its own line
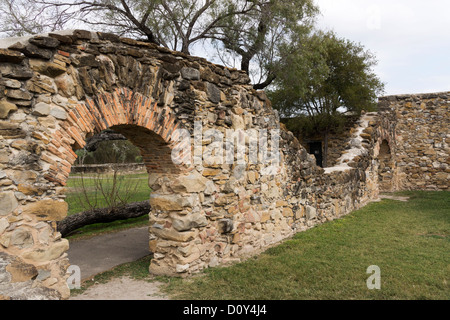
(421, 124)
(109, 167)
(337, 141)
(59, 89)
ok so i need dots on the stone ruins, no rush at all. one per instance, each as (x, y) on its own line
(56, 90)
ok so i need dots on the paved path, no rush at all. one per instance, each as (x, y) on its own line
(103, 252)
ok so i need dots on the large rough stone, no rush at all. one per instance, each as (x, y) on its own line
(5, 108)
(11, 56)
(225, 225)
(47, 68)
(15, 71)
(194, 182)
(33, 51)
(311, 212)
(208, 172)
(19, 94)
(21, 271)
(174, 235)
(41, 84)
(3, 225)
(213, 92)
(8, 202)
(41, 109)
(190, 73)
(58, 113)
(11, 130)
(47, 210)
(22, 238)
(65, 85)
(171, 202)
(45, 42)
(237, 122)
(189, 221)
(49, 253)
(11, 83)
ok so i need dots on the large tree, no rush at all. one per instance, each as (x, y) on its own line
(321, 77)
(25, 17)
(257, 37)
(250, 30)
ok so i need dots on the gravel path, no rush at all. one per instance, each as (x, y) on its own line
(123, 288)
(101, 253)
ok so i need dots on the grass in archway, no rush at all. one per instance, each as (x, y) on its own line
(408, 241)
(140, 193)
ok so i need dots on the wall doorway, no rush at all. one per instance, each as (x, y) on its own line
(315, 148)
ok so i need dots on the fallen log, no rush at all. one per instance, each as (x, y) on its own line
(78, 220)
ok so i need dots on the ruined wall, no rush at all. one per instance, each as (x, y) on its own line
(59, 89)
(337, 141)
(421, 126)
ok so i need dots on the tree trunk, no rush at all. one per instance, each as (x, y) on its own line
(107, 135)
(325, 150)
(78, 220)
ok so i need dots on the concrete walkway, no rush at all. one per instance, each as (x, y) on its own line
(103, 252)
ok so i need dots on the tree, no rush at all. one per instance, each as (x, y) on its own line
(108, 147)
(175, 24)
(258, 36)
(250, 30)
(25, 17)
(321, 77)
(102, 215)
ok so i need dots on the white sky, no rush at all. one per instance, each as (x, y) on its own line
(410, 38)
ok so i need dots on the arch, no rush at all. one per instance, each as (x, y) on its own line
(120, 110)
(150, 127)
(386, 167)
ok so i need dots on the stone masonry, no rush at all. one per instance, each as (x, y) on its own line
(422, 151)
(56, 90)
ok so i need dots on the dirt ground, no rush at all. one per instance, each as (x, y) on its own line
(123, 288)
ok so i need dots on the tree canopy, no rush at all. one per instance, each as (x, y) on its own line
(322, 74)
(320, 78)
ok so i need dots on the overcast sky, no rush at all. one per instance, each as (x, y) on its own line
(410, 38)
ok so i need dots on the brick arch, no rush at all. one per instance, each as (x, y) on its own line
(125, 111)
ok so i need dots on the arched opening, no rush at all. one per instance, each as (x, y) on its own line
(385, 168)
(116, 181)
(108, 205)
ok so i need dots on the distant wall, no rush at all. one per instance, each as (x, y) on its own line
(337, 141)
(421, 125)
(109, 167)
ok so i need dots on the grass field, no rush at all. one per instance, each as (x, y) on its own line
(137, 183)
(132, 186)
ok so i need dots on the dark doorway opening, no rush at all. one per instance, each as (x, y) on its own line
(315, 148)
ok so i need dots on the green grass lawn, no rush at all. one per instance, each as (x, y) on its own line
(408, 241)
(138, 183)
(140, 191)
